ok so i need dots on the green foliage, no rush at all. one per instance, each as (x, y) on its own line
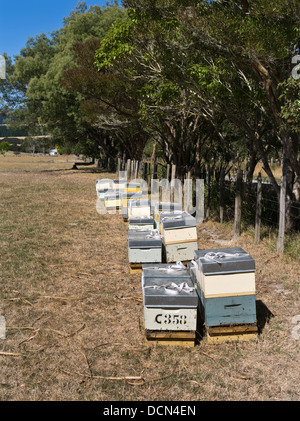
(290, 109)
(117, 44)
(4, 147)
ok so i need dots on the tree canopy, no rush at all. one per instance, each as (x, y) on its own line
(211, 82)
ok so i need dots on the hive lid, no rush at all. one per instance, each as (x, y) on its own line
(130, 184)
(167, 206)
(169, 293)
(112, 194)
(103, 181)
(138, 203)
(224, 260)
(130, 195)
(144, 239)
(165, 270)
(141, 220)
(183, 220)
(120, 181)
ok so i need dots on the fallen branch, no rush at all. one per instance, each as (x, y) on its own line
(23, 299)
(68, 335)
(139, 299)
(60, 298)
(10, 354)
(31, 337)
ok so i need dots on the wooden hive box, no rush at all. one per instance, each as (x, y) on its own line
(170, 306)
(228, 310)
(132, 187)
(144, 247)
(112, 199)
(119, 184)
(102, 187)
(180, 228)
(125, 198)
(165, 270)
(103, 184)
(179, 234)
(164, 215)
(138, 223)
(183, 251)
(169, 207)
(225, 272)
(139, 208)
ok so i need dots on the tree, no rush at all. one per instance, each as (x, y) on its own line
(4, 147)
(45, 105)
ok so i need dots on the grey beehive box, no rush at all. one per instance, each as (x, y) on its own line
(140, 223)
(144, 247)
(169, 293)
(165, 270)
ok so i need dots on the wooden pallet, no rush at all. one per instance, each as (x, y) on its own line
(171, 338)
(235, 333)
(135, 267)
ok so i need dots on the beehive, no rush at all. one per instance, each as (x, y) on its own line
(125, 198)
(138, 223)
(225, 272)
(112, 199)
(170, 302)
(165, 270)
(144, 247)
(169, 207)
(132, 187)
(224, 311)
(139, 208)
(102, 187)
(103, 184)
(180, 228)
(119, 184)
(179, 234)
(225, 280)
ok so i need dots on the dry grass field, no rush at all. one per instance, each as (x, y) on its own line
(74, 315)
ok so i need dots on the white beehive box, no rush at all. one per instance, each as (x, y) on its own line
(179, 228)
(183, 251)
(103, 184)
(112, 199)
(119, 184)
(225, 272)
(139, 208)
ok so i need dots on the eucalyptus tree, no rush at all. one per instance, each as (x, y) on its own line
(259, 38)
(47, 106)
(148, 53)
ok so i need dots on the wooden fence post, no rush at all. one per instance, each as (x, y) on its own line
(282, 210)
(173, 175)
(136, 170)
(258, 210)
(144, 175)
(238, 204)
(119, 165)
(208, 179)
(128, 169)
(168, 172)
(154, 170)
(222, 182)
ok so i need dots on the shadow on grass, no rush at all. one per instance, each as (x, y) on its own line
(263, 314)
(79, 170)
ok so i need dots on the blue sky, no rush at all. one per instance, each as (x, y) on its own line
(21, 19)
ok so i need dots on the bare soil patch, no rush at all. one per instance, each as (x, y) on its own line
(74, 313)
